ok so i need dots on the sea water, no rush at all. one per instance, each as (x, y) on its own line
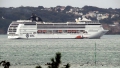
(79, 53)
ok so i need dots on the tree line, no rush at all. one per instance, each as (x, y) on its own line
(7, 15)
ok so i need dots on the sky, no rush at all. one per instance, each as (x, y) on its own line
(54, 3)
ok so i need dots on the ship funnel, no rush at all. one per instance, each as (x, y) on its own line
(34, 17)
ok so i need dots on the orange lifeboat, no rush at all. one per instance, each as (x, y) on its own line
(73, 31)
(44, 31)
(79, 37)
(59, 31)
(39, 31)
(69, 31)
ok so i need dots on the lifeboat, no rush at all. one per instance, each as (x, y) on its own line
(44, 31)
(79, 37)
(69, 31)
(74, 31)
(39, 31)
(59, 31)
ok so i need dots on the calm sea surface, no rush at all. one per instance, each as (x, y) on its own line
(74, 51)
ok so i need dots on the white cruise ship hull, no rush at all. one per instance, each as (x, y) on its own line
(61, 36)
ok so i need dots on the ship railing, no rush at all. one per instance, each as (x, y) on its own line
(92, 22)
(13, 34)
(24, 21)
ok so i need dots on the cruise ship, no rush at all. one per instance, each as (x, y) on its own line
(82, 28)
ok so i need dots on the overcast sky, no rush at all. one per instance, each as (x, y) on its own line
(53, 3)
